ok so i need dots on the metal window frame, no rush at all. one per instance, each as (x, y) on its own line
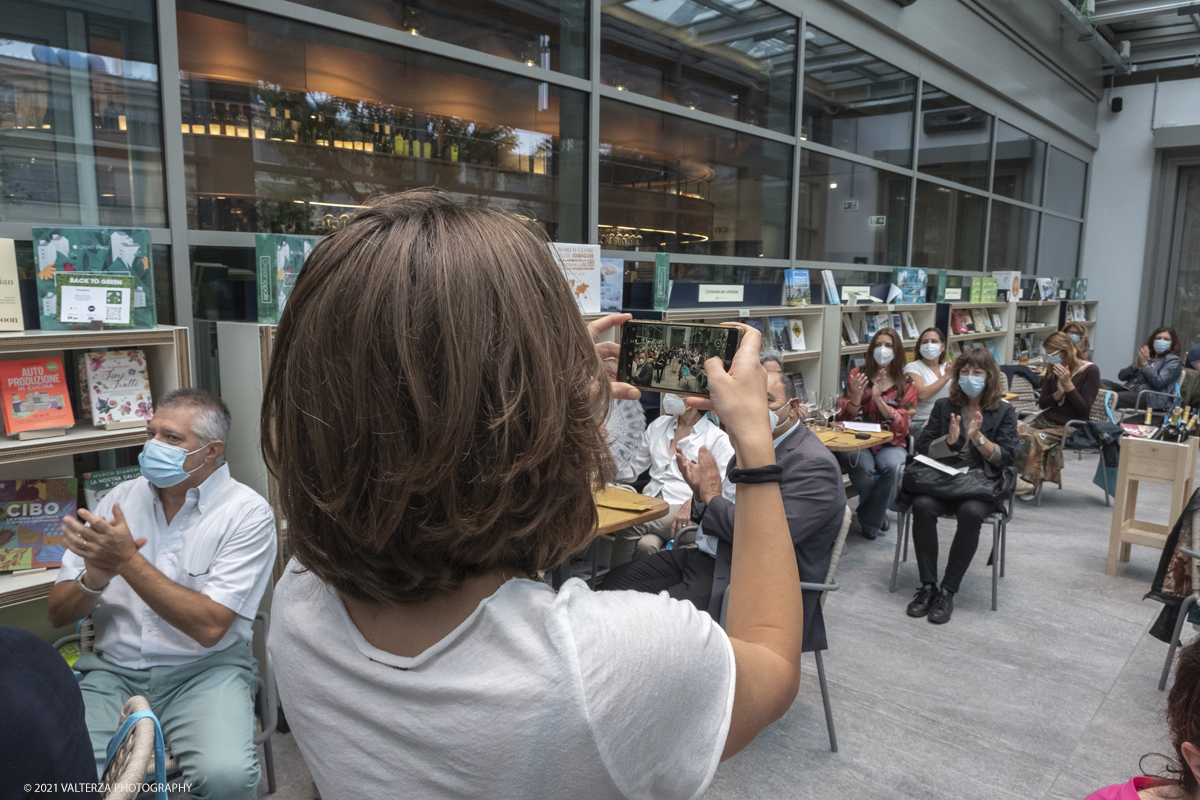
(181, 238)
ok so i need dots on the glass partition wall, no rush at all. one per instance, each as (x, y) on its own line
(738, 137)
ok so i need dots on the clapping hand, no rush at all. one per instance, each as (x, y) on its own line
(702, 475)
(105, 547)
(955, 430)
(858, 384)
(1143, 356)
(975, 427)
(1064, 378)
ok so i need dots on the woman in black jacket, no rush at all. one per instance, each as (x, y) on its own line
(1156, 368)
(973, 425)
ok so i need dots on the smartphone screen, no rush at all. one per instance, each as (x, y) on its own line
(669, 357)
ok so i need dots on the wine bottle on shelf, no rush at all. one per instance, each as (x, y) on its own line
(369, 142)
(214, 121)
(258, 125)
(385, 137)
(110, 115)
(273, 132)
(1149, 416)
(288, 126)
(185, 118)
(228, 123)
(199, 124)
(242, 123)
(454, 153)
(1171, 427)
(400, 143)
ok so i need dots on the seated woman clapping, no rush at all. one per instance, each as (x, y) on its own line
(417, 653)
(972, 426)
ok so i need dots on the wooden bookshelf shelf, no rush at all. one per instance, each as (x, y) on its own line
(962, 337)
(23, 587)
(801, 355)
(1036, 328)
(854, 349)
(726, 313)
(968, 306)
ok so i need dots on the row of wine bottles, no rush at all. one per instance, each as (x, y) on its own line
(1180, 425)
(268, 123)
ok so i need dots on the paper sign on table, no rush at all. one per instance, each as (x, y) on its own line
(863, 427)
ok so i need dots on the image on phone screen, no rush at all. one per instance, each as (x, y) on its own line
(670, 357)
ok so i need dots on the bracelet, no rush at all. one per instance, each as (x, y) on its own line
(771, 473)
(83, 587)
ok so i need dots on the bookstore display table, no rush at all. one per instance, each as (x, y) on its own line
(1143, 460)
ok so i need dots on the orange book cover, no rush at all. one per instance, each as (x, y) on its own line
(35, 395)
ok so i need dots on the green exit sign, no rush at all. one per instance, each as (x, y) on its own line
(877, 222)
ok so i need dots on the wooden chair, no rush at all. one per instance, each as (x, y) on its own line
(830, 585)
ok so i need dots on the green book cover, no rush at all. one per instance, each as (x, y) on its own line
(943, 276)
(119, 251)
(278, 259)
(1079, 288)
(976, 295)
(102, 481)
(990, 285)
(662, 278)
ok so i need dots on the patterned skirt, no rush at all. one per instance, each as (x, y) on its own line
(1041, 456)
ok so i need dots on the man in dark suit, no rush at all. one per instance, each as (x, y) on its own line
(814, 501)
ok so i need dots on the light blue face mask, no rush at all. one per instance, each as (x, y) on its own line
(971, 385)
(1054, 359)
(1161, 346)
(1074, 337)
(162, 463)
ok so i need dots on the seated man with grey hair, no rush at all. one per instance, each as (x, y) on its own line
(772, 361)
(172, 567)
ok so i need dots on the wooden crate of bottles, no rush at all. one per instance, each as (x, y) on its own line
(1161, 461)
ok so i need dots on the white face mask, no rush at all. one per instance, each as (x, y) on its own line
(673, 404)
(884, 356)
(931, 350)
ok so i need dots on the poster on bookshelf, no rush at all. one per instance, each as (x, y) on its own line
(109, 252)
(278, 259)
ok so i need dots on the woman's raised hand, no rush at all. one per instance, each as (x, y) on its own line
(955, 429)
(609, 352)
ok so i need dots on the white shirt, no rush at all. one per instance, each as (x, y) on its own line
(654, 453)
(220, 544)
(708, 544)
(919, 367)
(625, 694)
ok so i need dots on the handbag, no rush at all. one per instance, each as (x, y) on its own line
(988, 483)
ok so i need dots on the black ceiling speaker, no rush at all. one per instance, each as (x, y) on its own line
(1116, 105)
(905, 3)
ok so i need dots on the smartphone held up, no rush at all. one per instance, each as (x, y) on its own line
(670, 357)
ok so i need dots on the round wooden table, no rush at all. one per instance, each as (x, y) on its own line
(846, 441)
(1010, 396)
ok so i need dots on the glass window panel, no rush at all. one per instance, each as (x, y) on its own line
(1059, 253)
(80, 142)
(1020, 162)
(956, 139)
(1012, 238)
(850, 213)
(544, 33)
(733, 59)
(291, 128)
(948, 228)
(1064, 183)
(855, 102)
(680, 186)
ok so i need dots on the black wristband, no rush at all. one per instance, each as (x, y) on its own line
(772, 473)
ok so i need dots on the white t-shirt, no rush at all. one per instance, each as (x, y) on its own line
(918, 367)
(624, 693)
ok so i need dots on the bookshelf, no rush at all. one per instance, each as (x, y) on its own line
(924, 315)
(973, 315)
(1034, 321)
(805, 364)
(168, 367)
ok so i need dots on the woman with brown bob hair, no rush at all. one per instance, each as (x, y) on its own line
(972, 426)
(878, 393)
(1077, 333)
(1067, 393)
(1156, 370)
(432, 417)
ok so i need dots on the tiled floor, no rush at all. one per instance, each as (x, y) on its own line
(1052, 696)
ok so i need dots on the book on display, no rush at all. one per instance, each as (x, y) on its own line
(871, 324)
(796, 333)
(119, 388)
(36, 400)
(796, 289)
(910, 325)
(832, 297)
(31, 534)
(940, 292)
(992, 348)
(988, 290)
(997, 322)
(1079, 288)
(100, 482)
(912, 282)
(848, 329)
(779, 333)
